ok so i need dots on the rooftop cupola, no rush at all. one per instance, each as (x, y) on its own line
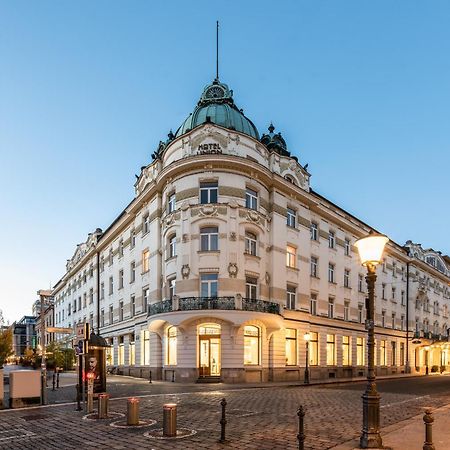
(275, 142)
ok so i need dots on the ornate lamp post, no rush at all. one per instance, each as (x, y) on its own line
(370, 249)
(307, 338)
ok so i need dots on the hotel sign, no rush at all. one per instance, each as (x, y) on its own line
(209, 149)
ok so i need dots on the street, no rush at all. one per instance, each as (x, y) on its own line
(258, 417)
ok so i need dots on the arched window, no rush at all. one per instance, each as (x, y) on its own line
(172, 346)
(172, 251)
(251, 242)
(252, 345)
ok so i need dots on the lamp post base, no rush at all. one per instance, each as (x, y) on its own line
(371, 437)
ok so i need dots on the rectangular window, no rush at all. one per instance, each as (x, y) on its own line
(250, 243)
(393, 353)
(383, 359)
(346, 278)
(79, 303)
(145, 358)
(251, 285)
(402, 353)
(402, 323)
(121, 351)
(402, 298)
(314, 230)
(314, 266)
(346, 310)
(208, 285)
(290, 217)
(172, 291)
(393, 293)
(291, 293)
(120, 311)
(133, 306)
(91, 296)
(346, 351)
(120, 248)
(314, 349)
(347, 247)
(331, 239)
(84, 300)
(360, 351)
(145, 261)
(111, 285)
(360, 283)
(102, 317)
(383, 291)
(330, 307)
(251, 199)
(120, 278)
(331, 272)
(208, 192)
(291, 347)
(132, 350)
(313, 305)
(111, 314)
(252, 344)
(172, 246)
(331, 350)
(383, 319)
(132, 238)
(145, 224)
(290, 256)
(145, 298)
(172, 346)
(102, 290)
(393, 321)
(111, 257)
(171, 203)
(209, 239)
(132, 271)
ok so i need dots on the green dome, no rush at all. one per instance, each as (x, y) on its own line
(216, 105)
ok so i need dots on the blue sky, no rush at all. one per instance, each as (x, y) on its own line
(360, 91)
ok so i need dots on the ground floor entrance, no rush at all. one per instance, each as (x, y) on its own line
(209, 350)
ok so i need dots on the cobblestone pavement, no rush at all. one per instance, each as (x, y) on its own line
(258, 418)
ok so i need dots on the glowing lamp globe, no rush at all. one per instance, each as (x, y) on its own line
(307, 337)
(370, 248)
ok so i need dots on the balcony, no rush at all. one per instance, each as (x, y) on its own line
(213, 303)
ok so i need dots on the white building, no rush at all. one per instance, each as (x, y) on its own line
(226, 257)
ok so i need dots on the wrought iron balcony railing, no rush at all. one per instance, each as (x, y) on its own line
(208, 303)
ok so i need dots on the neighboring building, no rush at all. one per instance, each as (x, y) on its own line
(226, 257)
(49, 320)
(24, 335)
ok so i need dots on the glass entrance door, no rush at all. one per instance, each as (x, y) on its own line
(209, 351)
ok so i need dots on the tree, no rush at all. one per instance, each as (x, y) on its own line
(6, 345)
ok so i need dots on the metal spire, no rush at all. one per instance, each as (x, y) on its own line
(217, 50)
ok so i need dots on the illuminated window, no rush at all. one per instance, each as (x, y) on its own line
(314, 349)
(360, 351)
(172, 346)
(383, 359)
(132, 350)
(290, 256)
(145, 355)
(121, 353)
(145, 261)
(252, 342)
(346, 351)
(331, 350)
(172, 282)
(291, 347)
(394, 353)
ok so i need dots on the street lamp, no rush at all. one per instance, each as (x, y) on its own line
(307, 338)
(370, 249)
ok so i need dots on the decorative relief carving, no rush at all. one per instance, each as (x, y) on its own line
(232, 270)
(253, 216)
(232, 236)
(185, 271)
(185, 237)
(208, 210)
(267, 278)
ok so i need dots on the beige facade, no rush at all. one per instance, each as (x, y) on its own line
(226, 257)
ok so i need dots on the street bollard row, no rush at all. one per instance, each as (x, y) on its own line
(301, 428)
(428, 420)
(133, 411)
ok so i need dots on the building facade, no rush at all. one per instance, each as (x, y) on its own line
(226, 258)
(24, 335)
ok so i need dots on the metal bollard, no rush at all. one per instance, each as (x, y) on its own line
(223, 421)
(170, 420)
(133, 411)
(150, 377)
(103, 400)
(53, 381)
(428, 420)
(57, 379)
(301, 428)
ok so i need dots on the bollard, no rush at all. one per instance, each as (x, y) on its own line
(223, 421)
(150, 377)
(133, 411)
(103, 400)
(301, 428)
(170, 420)
(428, 420)
(53, 381)
(57, 379)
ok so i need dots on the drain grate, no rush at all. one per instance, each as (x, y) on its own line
(35, 417)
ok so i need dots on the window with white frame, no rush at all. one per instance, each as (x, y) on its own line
(172, 246)
(252, 345)
(402, 322)
(331, 239)
(251, 285)
(132, 271)
(291, 253)
(121, 311)
(145, 261)
(171, 346)
(132, 305)
(132, 238)
(172, 282)
(313, 304)
(121, 248)
(91, 296)
(208, 192)
(291, 294)
(102, 317)
(346, 310)
(145, 224)
(291, 347)
(314, 231)
(208, 285)
(251, 199)
(331, 350)
(347, 247)
(314, 266)
(331, 268)
(209, 239)
(120, 278)
(330, 307)
(291, 217)
(346, 351)
(313, 348)
(346, 278)
(145, 298)
(171, 201)
(250, 243)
